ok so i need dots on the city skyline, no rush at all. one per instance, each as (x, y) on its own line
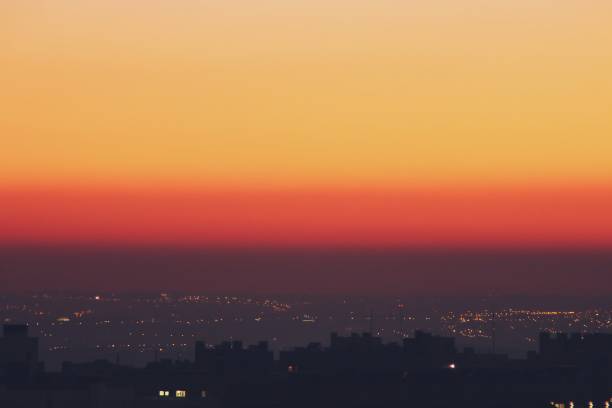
(305, 203)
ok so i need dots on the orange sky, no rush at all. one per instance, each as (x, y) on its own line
(294, 122)
(515, 218)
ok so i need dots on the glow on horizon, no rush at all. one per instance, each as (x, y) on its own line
(443, 122)
(484, 218)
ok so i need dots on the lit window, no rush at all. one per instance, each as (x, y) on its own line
(163, 393)
(181, 393)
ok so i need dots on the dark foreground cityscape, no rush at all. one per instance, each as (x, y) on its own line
(354, 370)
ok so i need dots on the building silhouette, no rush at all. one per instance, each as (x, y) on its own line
(18, 352)
(359, 370)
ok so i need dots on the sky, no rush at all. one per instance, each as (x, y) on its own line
(471, 124)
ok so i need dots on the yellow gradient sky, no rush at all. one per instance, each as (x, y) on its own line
(298, 92)
(367, 108)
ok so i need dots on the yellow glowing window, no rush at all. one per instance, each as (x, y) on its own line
(163, 393)
(181, 393)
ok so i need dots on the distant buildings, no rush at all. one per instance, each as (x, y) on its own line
(18, 352)
(575, 347)
(231, 359)
(366, 353)
(358, 370)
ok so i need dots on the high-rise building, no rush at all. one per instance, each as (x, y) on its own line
(18, 351)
